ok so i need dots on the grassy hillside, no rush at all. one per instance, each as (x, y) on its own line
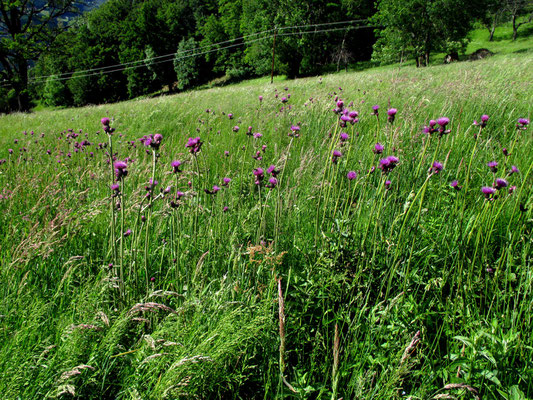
(335, 275)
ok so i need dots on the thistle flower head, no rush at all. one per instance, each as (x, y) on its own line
(455, 185)
(488, 191)
(378, 148)
(351, 175)
(493, 165)
(176, 166)
(514, 170)
(500, 183)
(437, 167)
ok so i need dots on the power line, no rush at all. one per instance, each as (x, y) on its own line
(144, 61)
(161, 59)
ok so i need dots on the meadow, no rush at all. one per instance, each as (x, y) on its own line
(275, 241)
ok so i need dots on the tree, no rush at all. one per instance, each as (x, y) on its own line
(418, 27)
(518, 8)
(27, 28)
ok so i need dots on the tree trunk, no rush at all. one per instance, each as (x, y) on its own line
(515, 27)
(21, 85)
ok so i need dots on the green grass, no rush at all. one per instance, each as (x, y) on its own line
(389, 291)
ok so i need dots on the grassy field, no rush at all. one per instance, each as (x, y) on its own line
(336, 274)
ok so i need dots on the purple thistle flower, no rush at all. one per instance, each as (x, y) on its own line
(512, 189)
(391, 114)
(257, 135)
(120, 169)
(273, 171)
(284, 99)
(264, 147)
(295, 131)
(10, 151)
(260, 98)
(105, 121)
(351, 175)
(230, 116)
(378, 148)
(488, 191)
(344, 137)
(455, 185)
(259, 175)
(336, 155)
(127, 233)
(272, 183)
(340, 104)
(176, 166)
(443, 121)
(387, 184)
(375, 110)
(437, 167)
(236, 128)
(226, 181)
(226, 153)
(514, 170)
(493, 165)
(194, 145)
(167, 190)
(388, 164)
(500, 183)
(216, 188)
(115, 187)
(505, 152)
(483, 123)
(522, 123)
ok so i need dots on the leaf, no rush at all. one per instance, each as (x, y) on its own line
(464, 340)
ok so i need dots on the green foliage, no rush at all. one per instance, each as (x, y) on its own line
(55, 92)
(415, 28)
(186, 64)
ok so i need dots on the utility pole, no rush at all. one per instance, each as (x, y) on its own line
(273, 54)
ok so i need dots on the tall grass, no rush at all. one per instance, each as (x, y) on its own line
(390, 285)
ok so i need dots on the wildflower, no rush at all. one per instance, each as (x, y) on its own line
(273, 171)
(194, 145)
(176, 166)
(522, 123)
(493, 165)
(387, 184)
(259, 175)
(226, 181)
(340, 104)
(272, 183)
(344, 137)
(284, 99)
(105, 122)
(455, 185)
(443, 121)
(115, 187)
(120, 170)
(230, 116)
(257, 135)
(483, 123)
(375, 110)
(295, 131)
(437, 167)
(388, 164)
(512, 189)
(264, 147)
(236, 128)
(166, 190)
(513, 170)
(10, 151)
(257, 156)
(431, 128)
(378, 148)
(336, 155)
(260, 98)
(391, 114)
(127, 233)
(226, 153)
(351, 175)
(505, 152)
(488, 191)
(500, 183)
